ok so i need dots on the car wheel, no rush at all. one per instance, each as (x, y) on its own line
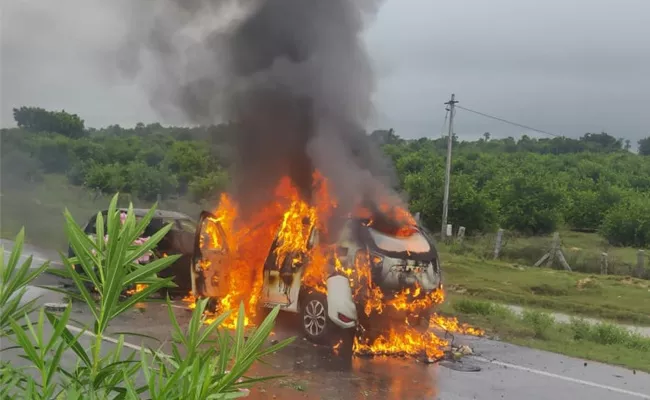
(316, 325)
(318, 328)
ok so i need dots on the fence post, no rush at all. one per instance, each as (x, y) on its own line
(497, 245)
(555, 251)
(640, 260)
(562, 260)
(603, 263)
(449, 234)
(554, 248)
(461, 234)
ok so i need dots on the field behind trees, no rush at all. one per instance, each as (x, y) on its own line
(529, 187)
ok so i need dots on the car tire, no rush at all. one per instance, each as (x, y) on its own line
(314, 321)
(318, 328)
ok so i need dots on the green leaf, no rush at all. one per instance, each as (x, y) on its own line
(26, 344)
(87, 298)
(14, 256)
(139, 297)
(82, 246)
(71, 341)
(148, 270)
(150, 243)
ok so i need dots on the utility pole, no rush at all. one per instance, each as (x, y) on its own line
(445, 203)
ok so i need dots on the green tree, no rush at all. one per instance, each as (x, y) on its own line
(187, 160)
(531, 204)
(210, 186)
(644, 146)
(148, 182)
(628, 223)
(37, 119)
(107, 178)
(602, 142)
(53, 151)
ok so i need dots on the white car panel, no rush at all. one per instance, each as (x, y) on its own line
(339, 300)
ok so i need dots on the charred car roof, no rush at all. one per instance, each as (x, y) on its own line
(141, 212)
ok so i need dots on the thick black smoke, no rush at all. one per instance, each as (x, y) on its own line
(293, 75)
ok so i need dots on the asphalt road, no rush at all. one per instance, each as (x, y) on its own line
(313, 372)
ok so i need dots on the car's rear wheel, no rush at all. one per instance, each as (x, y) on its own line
(318, 328)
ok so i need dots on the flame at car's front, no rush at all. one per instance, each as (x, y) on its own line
(289, 220)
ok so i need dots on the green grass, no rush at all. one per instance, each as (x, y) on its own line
(39, 208)
(618, 298)
(602, 342)
(581, 250)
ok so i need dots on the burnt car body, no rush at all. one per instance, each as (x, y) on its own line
(179, 240)
(397, 262)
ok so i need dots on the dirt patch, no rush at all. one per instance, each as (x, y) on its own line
(457, 289)
(628, 280)
(588, 283)
(545, 289)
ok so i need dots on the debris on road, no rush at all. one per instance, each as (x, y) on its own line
(55, 307)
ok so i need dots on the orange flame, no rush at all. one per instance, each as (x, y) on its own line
(138, 288)
(293, 219)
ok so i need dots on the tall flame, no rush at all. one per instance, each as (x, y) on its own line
(250, 239)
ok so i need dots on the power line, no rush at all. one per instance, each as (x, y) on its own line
(509, 122)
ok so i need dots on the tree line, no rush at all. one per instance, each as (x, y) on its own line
(530, 185)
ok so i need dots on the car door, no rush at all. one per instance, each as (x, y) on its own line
(275, 291)
(211, 257)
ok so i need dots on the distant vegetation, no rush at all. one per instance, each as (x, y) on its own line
(533, 186)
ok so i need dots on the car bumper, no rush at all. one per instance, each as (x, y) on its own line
(341, 308)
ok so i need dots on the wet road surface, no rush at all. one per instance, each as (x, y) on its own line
(314, 372)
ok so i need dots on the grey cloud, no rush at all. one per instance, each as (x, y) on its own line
(568, 66)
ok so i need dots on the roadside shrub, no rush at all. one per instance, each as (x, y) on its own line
(581, 329)
(608, 334)
(473, 307)
(628, 223)
(480, 307)
(205, 361)
(541, 322)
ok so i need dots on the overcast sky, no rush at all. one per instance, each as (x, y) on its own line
(563, 66)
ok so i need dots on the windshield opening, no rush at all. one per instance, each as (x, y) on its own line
(415, 242)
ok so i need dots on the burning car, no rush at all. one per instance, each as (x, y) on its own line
(179, 240)
(337, 282)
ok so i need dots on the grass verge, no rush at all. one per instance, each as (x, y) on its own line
(603, 342)
(617, 298)
(582, 250)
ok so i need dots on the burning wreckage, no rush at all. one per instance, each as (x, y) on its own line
(365, 283)
(310, 223)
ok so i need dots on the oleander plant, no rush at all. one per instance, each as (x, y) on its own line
(200, 361)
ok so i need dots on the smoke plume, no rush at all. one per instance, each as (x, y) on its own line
(292, 75)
